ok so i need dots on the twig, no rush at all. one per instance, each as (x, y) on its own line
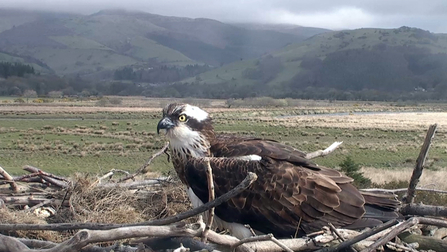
(359, 237)
(267, 237)
(320, 153)
(393, 233)
(9, 179)
(335, 231)
(148, 162)
(251, 177)
(209, 178)
(417, 172)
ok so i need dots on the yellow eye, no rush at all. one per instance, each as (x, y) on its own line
(182, 118)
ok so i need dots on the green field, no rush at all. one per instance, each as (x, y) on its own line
(96, 142)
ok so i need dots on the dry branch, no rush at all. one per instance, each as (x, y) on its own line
(424, 210)
(148, 162)
(417, 172)
(393, 233)
(320, 153)
(136, 184)
(85, 237)
(9, 179)
(209, 178)
(48, 177)
(393, 191)
(267, 237)
(360, 237)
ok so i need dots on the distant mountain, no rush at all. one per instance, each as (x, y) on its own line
(96, 45)
(377, 63)
(284, 28)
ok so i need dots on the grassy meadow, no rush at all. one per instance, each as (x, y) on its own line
(68, 138)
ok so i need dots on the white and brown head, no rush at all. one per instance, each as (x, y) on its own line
(188, 128)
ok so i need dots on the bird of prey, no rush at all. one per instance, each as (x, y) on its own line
(291, 196)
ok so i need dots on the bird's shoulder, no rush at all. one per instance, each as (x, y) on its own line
(272, 153)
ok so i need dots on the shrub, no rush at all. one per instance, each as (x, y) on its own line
(115, 101)
(352, 169)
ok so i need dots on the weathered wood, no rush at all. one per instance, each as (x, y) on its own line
(9, 179)
(420, 162)
(135, 184)
(85, 237)
(211, 196)
(425, 242)
(393, 233)
(267, 237)
(424, 210)
(320, 153)
(50, 178)
(392, 191)
(359, 237)
(26, 200)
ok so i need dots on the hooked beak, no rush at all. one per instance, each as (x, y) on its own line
(164, 123)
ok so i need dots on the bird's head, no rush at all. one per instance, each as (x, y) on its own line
(187, 127)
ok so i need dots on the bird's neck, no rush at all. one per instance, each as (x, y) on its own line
(184, 151)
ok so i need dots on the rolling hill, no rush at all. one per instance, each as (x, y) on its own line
(93, 46)
(343, 62)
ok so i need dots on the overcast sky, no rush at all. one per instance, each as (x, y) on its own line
(332, 14)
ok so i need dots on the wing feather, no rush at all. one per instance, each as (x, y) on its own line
(282, 197)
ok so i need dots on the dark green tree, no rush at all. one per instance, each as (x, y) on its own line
(352, 169)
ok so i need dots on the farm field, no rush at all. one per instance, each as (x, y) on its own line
(62, 139)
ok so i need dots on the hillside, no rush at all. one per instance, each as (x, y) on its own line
(343, 65)
(94, 46)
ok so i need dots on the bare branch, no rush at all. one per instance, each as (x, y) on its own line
(359, 237)
(9, 179)
(392, 191)
(335, 231)
(420, 162)
(148, 162)
(424, 210)
(136, 184)
(320, 153)
(267, 237)
(209, 178)
(50, 178)
(393, 233)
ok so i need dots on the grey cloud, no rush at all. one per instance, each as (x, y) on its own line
(430, 15)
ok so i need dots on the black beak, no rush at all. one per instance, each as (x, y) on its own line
(164, 123)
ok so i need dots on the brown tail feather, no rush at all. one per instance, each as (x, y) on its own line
(381, 206)
(382, 200)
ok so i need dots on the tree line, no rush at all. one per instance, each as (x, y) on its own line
(8, 69)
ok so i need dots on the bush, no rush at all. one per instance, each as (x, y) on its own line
(115, 101)
(19, 100)
(103, 102)
(352, 169)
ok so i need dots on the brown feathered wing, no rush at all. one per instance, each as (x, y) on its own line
(290, 194)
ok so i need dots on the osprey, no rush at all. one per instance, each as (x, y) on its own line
(291, 195)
